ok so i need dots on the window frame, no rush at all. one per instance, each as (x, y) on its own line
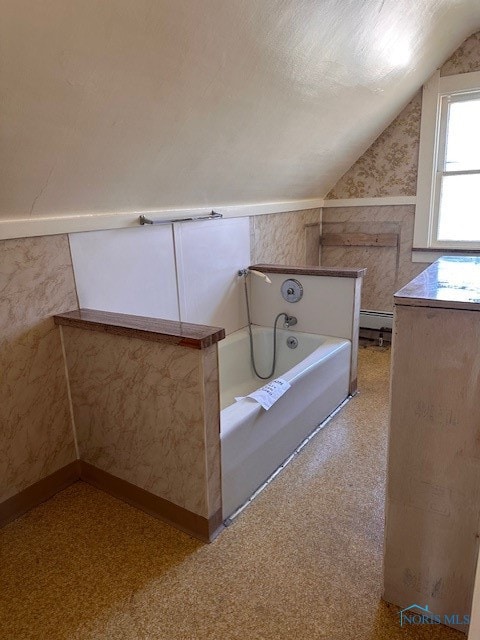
(436, 92)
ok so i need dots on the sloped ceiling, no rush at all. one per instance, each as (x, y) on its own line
(131, 105)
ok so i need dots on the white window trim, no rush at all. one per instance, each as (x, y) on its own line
(433, 91)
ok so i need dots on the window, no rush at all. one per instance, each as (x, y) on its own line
(448, 191)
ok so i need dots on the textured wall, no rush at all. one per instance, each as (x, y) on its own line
(388, 168)
(282, 238)
(36, 438)
(139, 414)
(136, 106)
(388, 268)
(465, 59)
(37, 282)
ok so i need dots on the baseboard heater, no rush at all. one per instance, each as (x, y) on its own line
(376, 319)
(376, 326)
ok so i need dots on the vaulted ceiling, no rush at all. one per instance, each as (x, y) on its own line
(142, 104)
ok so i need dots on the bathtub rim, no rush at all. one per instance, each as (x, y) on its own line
(250, 407)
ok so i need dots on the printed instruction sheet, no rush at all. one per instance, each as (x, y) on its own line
(267, 395)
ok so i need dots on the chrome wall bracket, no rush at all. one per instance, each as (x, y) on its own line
(211, 216)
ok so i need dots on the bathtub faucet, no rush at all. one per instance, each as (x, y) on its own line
(259, 274)
(290, 321)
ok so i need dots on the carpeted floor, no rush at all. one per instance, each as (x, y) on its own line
(303, 561)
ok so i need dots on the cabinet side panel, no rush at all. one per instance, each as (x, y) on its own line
(433, 493)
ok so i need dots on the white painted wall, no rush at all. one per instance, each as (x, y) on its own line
(209, 255)
(326, 306)
(122, 107)
(187, 271)
(127, 271)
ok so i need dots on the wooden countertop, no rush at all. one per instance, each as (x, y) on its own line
(310, 271)
(196, 336)
(451, 283)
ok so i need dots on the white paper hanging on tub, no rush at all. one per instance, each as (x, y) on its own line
(267, 395)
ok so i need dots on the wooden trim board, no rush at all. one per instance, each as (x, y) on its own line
(184, 334)
(205, 529)
(35, 494)
(359, 240)
(331, 272)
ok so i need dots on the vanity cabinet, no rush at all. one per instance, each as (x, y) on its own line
(433, 485)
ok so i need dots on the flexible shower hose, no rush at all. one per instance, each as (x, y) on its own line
(250, 333)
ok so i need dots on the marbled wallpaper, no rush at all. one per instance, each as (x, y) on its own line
(281, 238)
(388, 268)
(36, 437)
(139, 414)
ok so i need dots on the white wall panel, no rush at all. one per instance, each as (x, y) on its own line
(127, 271)
(326, 306)
(209, 254)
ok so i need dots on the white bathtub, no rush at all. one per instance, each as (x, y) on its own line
(255, 442)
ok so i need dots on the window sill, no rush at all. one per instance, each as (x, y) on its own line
(421, 254)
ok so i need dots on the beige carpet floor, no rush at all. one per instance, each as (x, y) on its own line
(303, 561)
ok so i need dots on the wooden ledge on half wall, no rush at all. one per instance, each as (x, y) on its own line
(332, 272)
(185, 334)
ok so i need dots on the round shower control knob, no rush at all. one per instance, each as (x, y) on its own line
(292, 290)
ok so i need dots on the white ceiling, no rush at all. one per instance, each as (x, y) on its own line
(131, 105)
